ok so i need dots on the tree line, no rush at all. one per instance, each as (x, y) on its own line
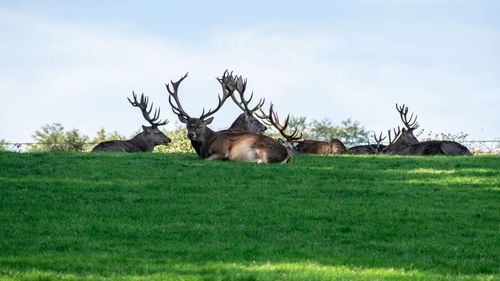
(54, 137)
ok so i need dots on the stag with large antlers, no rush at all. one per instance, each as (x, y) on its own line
(293, 141)
(225, 145)
(406, 137)
(146, 140)
(272, 119)
(408, 144)
(246, 121)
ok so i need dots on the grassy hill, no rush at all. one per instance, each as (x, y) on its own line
(76, 216)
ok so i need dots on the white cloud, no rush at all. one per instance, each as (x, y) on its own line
(81, 75)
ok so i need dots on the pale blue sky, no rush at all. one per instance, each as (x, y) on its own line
(75, 62)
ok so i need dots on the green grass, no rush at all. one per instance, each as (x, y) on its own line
(173, 217)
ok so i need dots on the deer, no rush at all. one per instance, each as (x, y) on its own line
(145, 141)
(334, 146)
(272, 119)
(377, 147)
(225, 145)
(246, 121)
(408, 144)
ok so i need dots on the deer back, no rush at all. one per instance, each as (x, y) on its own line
(145, 141)
(247, 123)
(334, 146)
(436, 148)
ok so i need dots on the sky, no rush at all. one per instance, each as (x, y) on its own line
(76, 62)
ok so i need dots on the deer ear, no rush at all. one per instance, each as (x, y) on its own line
(182, 119)
(144, 127)
(209, 120)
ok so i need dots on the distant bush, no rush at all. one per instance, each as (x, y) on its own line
(180, 142)
(52, 138)
(3, 145)
(103, 136)
(458, 137)
(349, 131)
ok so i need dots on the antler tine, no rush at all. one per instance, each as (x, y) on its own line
(143, 105)
(409, 123)
(178, 110)
(259, 104)
(396, 133)
(378, 143)
(272, 119)
(379, 139)
(227, 91)
(289, 137)
(243, 103)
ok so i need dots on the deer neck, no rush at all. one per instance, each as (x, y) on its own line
(401, 143)
(142, 143)
(203, 146)
(239, 123)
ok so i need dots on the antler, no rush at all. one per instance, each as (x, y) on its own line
(396, 133)
(379, 139)
(178, 110)
(403, 112)
(272, 119)
(227, 91)
(241, 85)
(143, 105)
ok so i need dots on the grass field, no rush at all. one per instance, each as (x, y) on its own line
(75, 216)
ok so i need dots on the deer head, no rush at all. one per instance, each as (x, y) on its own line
(246, 120)
(407, 137)
(379, 147)
(272, 119)
(197, 127)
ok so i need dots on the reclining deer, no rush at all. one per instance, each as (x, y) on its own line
(246, 121)
(272, 119)
(292, 141)
(225, 145)
(144, 141)
(334, 146)
(408, 144)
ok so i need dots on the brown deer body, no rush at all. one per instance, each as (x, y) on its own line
(246, 121)
(225, 145)
(144, 141)
(334, 146)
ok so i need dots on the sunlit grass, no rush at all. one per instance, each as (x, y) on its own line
(252, 271)
(173, 217)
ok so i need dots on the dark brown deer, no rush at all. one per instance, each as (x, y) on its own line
(246, 121)
(408, 144)
(376, 148)
(225, 145)
(144, 141)
(406, 137)
(362, 149)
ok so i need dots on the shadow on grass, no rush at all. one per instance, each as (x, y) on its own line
(157, 216)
